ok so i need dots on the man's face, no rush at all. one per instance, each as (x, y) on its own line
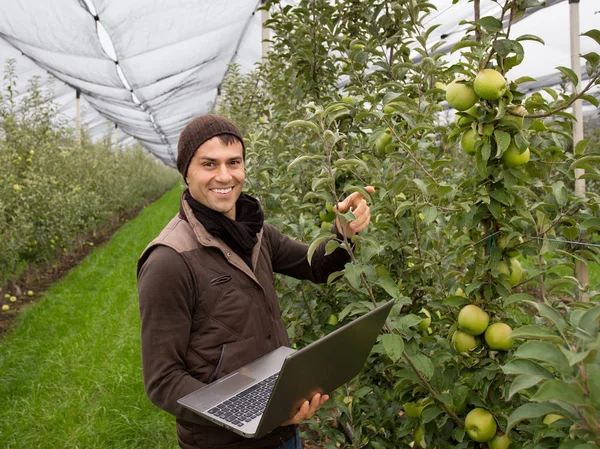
(216, 175)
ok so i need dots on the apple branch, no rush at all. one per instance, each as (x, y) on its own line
(573, 99)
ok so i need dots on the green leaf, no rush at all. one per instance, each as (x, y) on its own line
(315, 244)
(421, 185)
(589, 320)
(393, 345)
(502, 139)
(430, 413)
(389, 286)
(526, 367)
(581, 146)
(560, 192)
(430, 214)
(544, 351)
(490, 23)
(593, 60)
(522, 382)
(529, 411)
(591, 99)
(593, 384)
(302, 124)
(548, 312)
(463, 44)
(518, 297)
(533, 332)
(424, 365)
(570, 74)
(557, 390)
(350, 163)
(531, 37)
(591, 224)
(352, 273)
(594, 34)
(299, 160)
(524, 79)
(331, 246)
(575, 357)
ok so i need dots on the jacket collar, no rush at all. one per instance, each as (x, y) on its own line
(208, 240)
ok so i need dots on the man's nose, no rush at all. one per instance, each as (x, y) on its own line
(223, 174)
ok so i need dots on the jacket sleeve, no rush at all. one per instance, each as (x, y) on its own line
(289, 257)
(166, 294)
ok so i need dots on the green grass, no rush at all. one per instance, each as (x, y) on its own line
(70, 369)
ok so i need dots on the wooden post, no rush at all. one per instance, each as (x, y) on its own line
(265, 34)
(78, 116)
(581, 269)
(116, 137)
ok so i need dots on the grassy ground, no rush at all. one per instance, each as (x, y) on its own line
(70, 370)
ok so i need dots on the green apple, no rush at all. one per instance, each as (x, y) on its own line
(392, 107)
(413, 409)
(30, 293)
(513, 157)
(13, 299)
(480, 425)
(440, 85)
(510, 118)
(497, 336)
(489, 84)
(425, 322)
(463, 342)
(499, 442)
(473, 320)
(551, 417)
(381, 271)
(333, 319)
(5, 308)
(467, 141)
(460, 96)
(16, 187)
(419, 435)
(460, 292)
(383, 141)
(514, 272)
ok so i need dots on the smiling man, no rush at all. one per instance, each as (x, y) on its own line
(208, 304)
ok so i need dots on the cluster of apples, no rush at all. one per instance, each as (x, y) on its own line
(488, 85)
(474, 321)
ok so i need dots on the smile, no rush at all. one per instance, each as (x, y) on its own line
(223, 191)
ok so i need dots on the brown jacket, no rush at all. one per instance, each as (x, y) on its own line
(205, 313)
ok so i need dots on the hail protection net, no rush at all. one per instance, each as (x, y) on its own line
(147, 66)
(150, 66)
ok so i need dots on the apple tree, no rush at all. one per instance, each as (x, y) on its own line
(475, 229)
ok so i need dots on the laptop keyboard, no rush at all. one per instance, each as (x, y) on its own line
(246, 405)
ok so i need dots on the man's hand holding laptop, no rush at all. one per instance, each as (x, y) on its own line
(307, 410)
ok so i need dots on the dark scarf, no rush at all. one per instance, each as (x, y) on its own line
(239, 234)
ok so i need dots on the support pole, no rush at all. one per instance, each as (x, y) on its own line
(116, 137)
(581, 269)
(265, 33)
(78, 116)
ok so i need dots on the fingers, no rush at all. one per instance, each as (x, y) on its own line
(308, 409)
(353, 200)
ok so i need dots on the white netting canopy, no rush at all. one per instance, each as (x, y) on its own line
(150, 66)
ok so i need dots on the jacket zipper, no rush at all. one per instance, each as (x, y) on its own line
(218, 368)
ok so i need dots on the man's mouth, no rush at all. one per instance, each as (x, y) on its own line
(223, 191)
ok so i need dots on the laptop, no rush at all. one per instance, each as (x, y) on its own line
(260, 396)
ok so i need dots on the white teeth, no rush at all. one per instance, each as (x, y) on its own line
(223, 190)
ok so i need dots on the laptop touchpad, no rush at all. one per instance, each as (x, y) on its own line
(233, 384)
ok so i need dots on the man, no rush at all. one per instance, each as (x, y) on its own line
(207, 299)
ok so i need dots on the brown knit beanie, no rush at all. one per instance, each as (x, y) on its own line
(198, 131)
